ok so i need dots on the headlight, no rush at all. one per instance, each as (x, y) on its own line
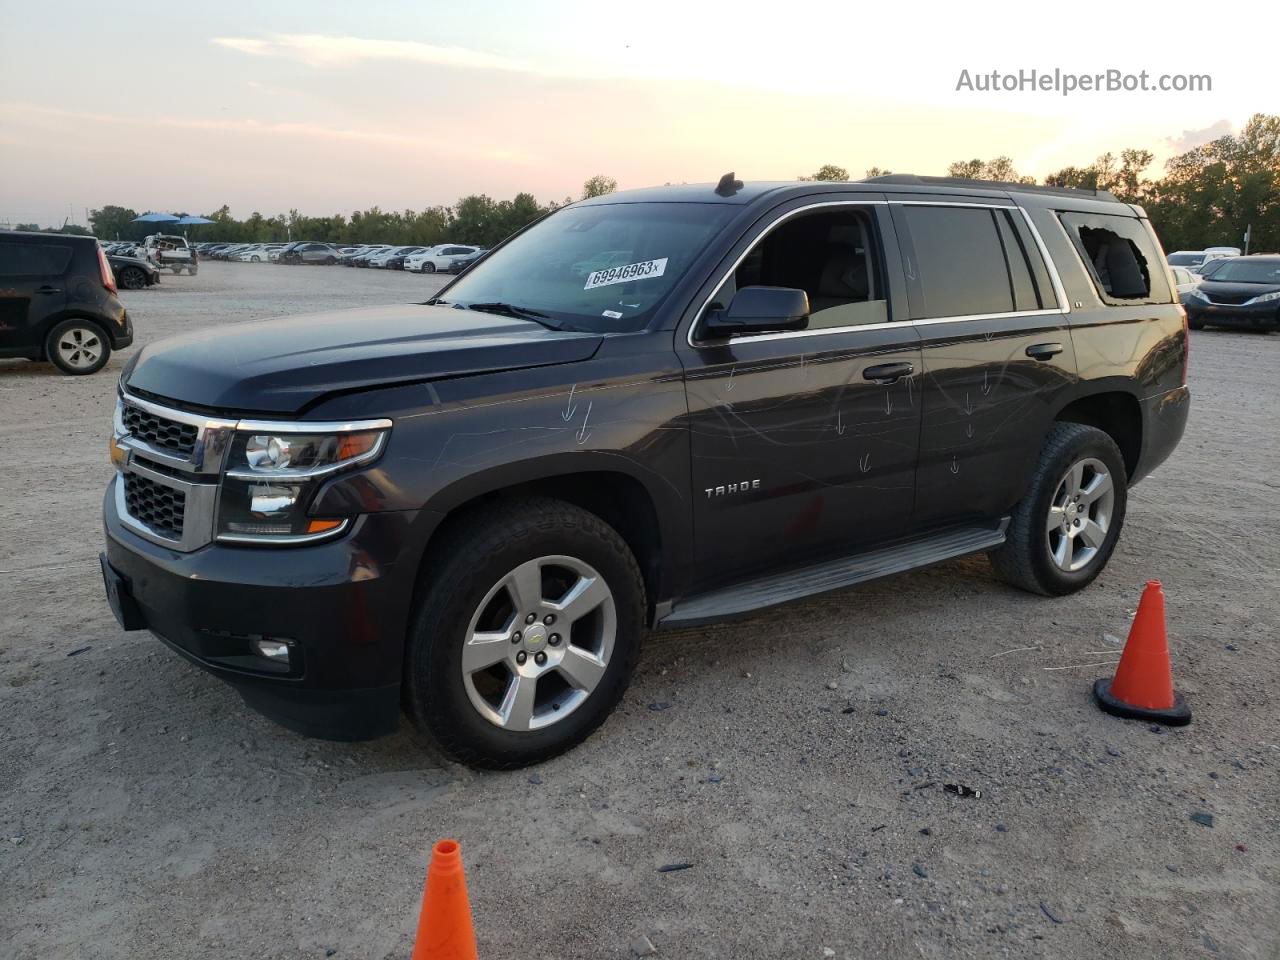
(1199, 295)
(1266, 297)
(274, 469)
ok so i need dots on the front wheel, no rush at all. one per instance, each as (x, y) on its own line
(329, 261)
(526, 635)
(1195, 324)
(428, 267)
(1065, 527)
(77, 347)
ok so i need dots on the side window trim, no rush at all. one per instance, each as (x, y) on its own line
(1062, 306)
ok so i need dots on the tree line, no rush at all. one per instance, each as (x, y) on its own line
(1208, 195)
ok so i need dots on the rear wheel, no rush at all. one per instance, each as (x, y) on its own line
(132, 278)
(527, 636)
(1064, 529)
(77, 347)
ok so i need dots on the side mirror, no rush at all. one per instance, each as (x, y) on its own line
(760, 310)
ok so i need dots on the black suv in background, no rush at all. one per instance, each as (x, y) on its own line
(651, 409)
(58, 302)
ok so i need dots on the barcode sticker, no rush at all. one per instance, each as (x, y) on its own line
(644, 270)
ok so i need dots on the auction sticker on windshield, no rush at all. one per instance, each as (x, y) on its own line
(645, 270)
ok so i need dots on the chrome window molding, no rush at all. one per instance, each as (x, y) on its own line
(1059, 291)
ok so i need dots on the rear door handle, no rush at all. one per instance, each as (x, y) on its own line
(48, 289)
(1044, 351)
(888, 372)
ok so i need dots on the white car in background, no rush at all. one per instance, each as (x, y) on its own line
(1184, 279)
(255, 253)
(438, 257)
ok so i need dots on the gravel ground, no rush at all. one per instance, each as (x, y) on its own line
(796, 762)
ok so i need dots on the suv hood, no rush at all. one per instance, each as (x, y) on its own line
(1237, 289)
(282, 366)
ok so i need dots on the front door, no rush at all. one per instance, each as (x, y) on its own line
(804, 443)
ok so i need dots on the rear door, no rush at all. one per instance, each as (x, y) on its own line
(804, 443)
(997, 352)
(32, 290)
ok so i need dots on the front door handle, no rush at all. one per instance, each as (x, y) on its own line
(1044, 351)
(48, 289)
(888, 372)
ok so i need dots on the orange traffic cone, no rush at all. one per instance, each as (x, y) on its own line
(1142, 688)
(444, 926)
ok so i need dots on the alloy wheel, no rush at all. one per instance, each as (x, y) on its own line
(80, 347)
(539, 643)
(1080, 514)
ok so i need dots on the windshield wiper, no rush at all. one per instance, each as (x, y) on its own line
(511, 310)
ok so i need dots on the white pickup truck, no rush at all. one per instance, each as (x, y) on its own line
(173, 252)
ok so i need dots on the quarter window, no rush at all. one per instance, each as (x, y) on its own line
(1119, 256)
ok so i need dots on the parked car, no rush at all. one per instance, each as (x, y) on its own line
(256, 253)
(133, 273)
(476, 505)
(348, 259)
(394, 258)
(438, 257)
(1243, 292)
(307, 251)
(170, 252)
(58, 301)
(1184, 280)
(1196, 260)
(458, 264)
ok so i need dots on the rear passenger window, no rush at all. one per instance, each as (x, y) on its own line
(1119, 256)
(973, 261)
(34, 259)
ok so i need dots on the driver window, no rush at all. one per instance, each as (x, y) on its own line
(832, 255)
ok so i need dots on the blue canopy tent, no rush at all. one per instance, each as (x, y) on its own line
(157, 218)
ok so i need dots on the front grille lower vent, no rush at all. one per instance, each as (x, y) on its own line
(154, 505)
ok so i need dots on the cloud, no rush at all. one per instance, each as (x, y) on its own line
(1190, 139)
(319, 50)
(432, 145)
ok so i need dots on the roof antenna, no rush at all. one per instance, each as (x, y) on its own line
(728, 186)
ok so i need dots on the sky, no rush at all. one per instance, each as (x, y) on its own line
(329, 107)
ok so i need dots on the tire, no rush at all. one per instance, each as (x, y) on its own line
(329, 261)
(466, 588)
(1032, 557)
(427, 267)
(132, 278)
(1195, 324)
(77, 347)
(177, 271)
(255, 259)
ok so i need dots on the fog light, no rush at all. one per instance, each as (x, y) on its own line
(274, 650)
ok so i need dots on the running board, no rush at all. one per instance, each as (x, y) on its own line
(833, 574)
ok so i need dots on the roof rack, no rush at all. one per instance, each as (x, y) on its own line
(911, 178)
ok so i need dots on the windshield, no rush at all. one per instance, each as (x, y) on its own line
(1185, 259)
(603, 268)
(1248, 271)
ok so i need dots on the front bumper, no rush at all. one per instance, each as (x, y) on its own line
(1256, 316)
(342, 605)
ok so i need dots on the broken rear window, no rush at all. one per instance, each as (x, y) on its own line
(1120, 257)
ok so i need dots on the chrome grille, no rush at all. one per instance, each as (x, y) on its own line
(159, 432)
(160, 508)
